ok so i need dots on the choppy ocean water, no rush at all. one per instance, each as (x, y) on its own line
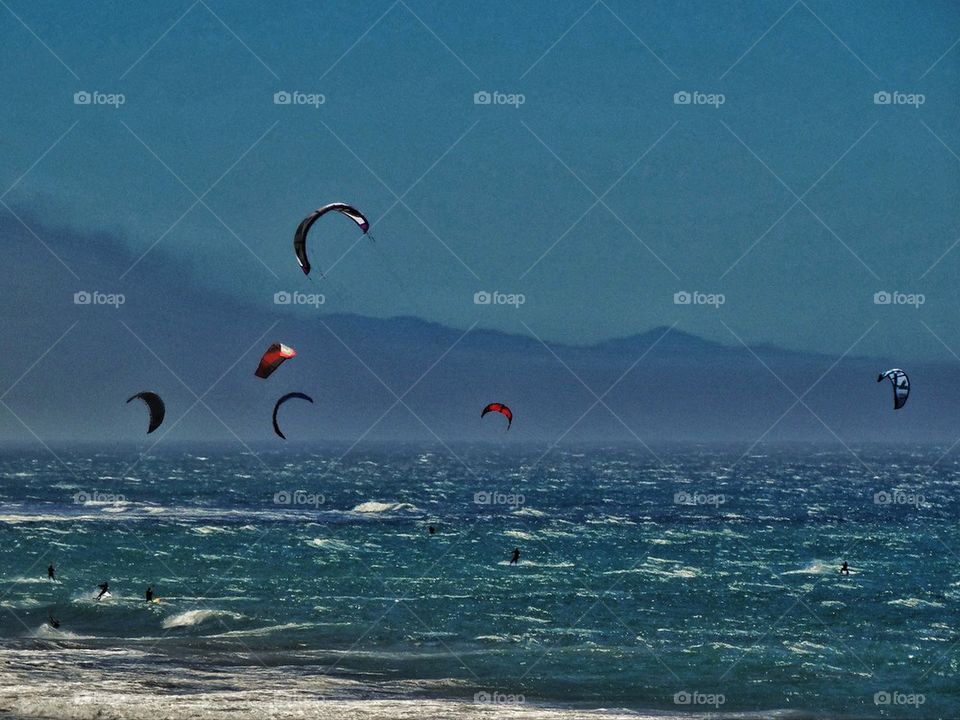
(699, 583)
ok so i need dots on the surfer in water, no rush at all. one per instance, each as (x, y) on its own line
(515, 558)
(104, 589)
(432, 529)
(844, 569)
(149, 594)
(51, 572)
(54, 623)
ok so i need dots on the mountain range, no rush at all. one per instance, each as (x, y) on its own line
(400, 377)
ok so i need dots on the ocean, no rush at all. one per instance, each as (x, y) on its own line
(686, 582)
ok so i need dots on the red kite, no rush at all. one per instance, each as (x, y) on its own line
(500, 408)
(273, 358)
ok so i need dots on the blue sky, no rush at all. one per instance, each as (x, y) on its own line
(598, 198)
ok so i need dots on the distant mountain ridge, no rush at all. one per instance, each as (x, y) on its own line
(404, 377)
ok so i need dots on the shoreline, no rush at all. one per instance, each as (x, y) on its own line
(51, 682)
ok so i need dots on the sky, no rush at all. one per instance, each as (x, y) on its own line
(780, 200)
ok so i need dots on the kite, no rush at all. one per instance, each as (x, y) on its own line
(300, 238)
(155, 405)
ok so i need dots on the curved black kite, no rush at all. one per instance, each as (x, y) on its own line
(300, 237)
(281, 401)
(155, 405)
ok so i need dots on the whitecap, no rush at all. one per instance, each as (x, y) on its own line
(328, 543)
(195, 617)
(914, 603)
(211, 530)
(373, 506)
(529, 512)
(519, 535)
(816, 567)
